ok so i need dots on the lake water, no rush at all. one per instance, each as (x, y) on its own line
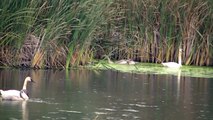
(107, 95)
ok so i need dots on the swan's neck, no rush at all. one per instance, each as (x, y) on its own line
(25, 85)
(179, 58)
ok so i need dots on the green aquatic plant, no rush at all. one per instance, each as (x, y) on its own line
(150, 68)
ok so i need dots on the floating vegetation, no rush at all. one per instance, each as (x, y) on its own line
(150, 68)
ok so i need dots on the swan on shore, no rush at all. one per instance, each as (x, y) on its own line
(131, 62)
(122, 62)
(174, 64)
(16, 94)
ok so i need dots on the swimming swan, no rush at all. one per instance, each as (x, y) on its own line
(16, 94)
(174, 64)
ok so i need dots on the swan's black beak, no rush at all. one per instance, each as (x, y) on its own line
(32, 81)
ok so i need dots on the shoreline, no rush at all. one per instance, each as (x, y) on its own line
(140, 68)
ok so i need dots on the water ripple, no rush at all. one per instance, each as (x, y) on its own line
(37, 100)
(46, 117)
(142, 105)
(130, 110)
(107, 109)
(70, 111)
(100, 113)
(53, 112)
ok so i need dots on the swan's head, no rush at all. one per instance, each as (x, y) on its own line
(29, 79)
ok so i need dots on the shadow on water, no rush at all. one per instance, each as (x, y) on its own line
(108, 95)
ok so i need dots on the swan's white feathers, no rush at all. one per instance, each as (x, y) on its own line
(171, 65)
(174, 64)
(11, 95)
(24, 95)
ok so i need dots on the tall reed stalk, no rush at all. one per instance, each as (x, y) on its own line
(61, 34)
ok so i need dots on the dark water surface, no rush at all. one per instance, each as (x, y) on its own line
(107, 95)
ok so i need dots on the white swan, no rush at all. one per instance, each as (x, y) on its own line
(16, 94)
(117, 62)
(131, 62)
(122, 62)
(174, 64)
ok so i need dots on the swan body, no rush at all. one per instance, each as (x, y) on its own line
(174, 64)
(117, 62)
(131, 62)
(122, 62)
(16, 94)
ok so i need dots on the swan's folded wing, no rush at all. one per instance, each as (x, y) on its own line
(10, 95)
(23, 94)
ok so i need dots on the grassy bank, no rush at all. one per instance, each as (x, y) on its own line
(60, 34)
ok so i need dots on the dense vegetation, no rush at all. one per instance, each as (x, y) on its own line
(64, 33)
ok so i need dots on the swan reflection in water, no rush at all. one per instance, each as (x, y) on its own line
(178, 82)
(176, 75)
(15, 106)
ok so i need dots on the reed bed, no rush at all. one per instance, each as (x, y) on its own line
(65, 33)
